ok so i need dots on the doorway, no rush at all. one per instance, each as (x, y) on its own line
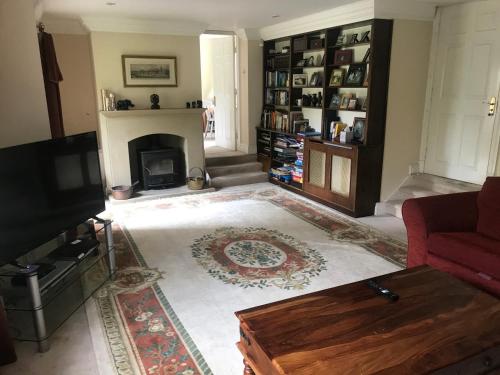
(219, 91)
(463, 133)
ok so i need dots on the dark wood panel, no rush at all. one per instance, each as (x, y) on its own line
(437, 322)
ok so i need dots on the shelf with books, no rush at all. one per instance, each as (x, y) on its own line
(318, 51)
(310, 50)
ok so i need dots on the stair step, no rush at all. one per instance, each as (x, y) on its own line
(230, 160)
(236, 179)
(224, 170)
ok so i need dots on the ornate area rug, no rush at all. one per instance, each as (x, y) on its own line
(186, 264)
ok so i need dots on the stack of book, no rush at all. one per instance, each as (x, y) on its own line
(264, 143)
(298, 168)
(286, 149)
(283, 174)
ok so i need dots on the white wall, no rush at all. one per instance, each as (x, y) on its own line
(23, 106)
(107, 49)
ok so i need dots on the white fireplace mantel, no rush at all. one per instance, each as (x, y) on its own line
(117, 128)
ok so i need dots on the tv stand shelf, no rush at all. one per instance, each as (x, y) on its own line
(36, 307)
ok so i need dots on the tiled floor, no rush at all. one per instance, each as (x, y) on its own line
(73, 351)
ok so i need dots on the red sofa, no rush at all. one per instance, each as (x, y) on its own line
(458, 234)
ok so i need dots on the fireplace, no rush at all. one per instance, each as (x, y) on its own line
(157, 161)
(160, 168)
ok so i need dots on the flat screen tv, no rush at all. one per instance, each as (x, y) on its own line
(46, 188)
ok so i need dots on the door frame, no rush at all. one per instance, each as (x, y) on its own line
(494, 148)
(236, 65)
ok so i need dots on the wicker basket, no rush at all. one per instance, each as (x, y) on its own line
(196, 182)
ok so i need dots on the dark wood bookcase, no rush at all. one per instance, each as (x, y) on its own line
(346, 176)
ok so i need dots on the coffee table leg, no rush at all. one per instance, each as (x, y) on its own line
(248, 370)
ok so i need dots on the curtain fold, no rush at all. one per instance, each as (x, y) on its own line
(51, 77)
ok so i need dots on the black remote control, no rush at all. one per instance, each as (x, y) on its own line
(391, 296)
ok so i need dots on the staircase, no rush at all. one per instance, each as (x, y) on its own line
(421, 185)
(227, 171)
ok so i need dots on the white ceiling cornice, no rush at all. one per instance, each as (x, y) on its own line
(56, 25)
(406, 9)
(353, 12)
(143, 26)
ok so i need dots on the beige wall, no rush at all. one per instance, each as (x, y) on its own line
(497, 173)
(23, 107)
(107, 49)
(407, 84)
(78, 93)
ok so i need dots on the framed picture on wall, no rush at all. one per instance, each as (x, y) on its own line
(149, 71)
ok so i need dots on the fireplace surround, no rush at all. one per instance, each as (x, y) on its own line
(118, 128)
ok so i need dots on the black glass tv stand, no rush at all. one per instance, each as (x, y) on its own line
(37, 303)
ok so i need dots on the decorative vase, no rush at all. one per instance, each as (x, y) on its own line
(320, 99)
(314, 100)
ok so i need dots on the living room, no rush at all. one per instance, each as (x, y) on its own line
(346, 118)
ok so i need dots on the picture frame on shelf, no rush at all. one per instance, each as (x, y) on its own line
(337, 128)
(149, 71)
(337, 78)
(344, 101)
(352, 104)
(341, 40)
(367, 56)
(358, 129)
(342, 57)
(335, 102)
(355, 75)
(353, 38)
(299, 80)
(365, 37)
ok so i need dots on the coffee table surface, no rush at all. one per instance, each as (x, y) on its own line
(437, 321)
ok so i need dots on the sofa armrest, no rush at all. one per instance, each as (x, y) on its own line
(440, 213)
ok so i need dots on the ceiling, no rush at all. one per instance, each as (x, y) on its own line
(199, 15)
(215, 14)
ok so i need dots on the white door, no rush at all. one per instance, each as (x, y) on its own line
(466, 76)
(224, 92)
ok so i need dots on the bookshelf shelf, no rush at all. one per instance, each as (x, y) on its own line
(352, 175)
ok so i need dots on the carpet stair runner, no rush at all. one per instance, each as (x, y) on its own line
(235, 170)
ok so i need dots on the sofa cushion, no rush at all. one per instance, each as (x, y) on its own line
(488, 202)
(470, 249)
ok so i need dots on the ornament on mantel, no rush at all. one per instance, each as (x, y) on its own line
(155, 99)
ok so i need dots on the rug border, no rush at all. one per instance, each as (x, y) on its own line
(183, 334)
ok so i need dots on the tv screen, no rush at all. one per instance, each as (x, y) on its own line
(46, 188)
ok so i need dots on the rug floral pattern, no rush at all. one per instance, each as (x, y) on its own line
(257, 257)
(144, 334)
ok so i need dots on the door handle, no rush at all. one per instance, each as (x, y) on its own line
(492, 106)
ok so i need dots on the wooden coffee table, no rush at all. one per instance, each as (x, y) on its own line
(439, 324)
